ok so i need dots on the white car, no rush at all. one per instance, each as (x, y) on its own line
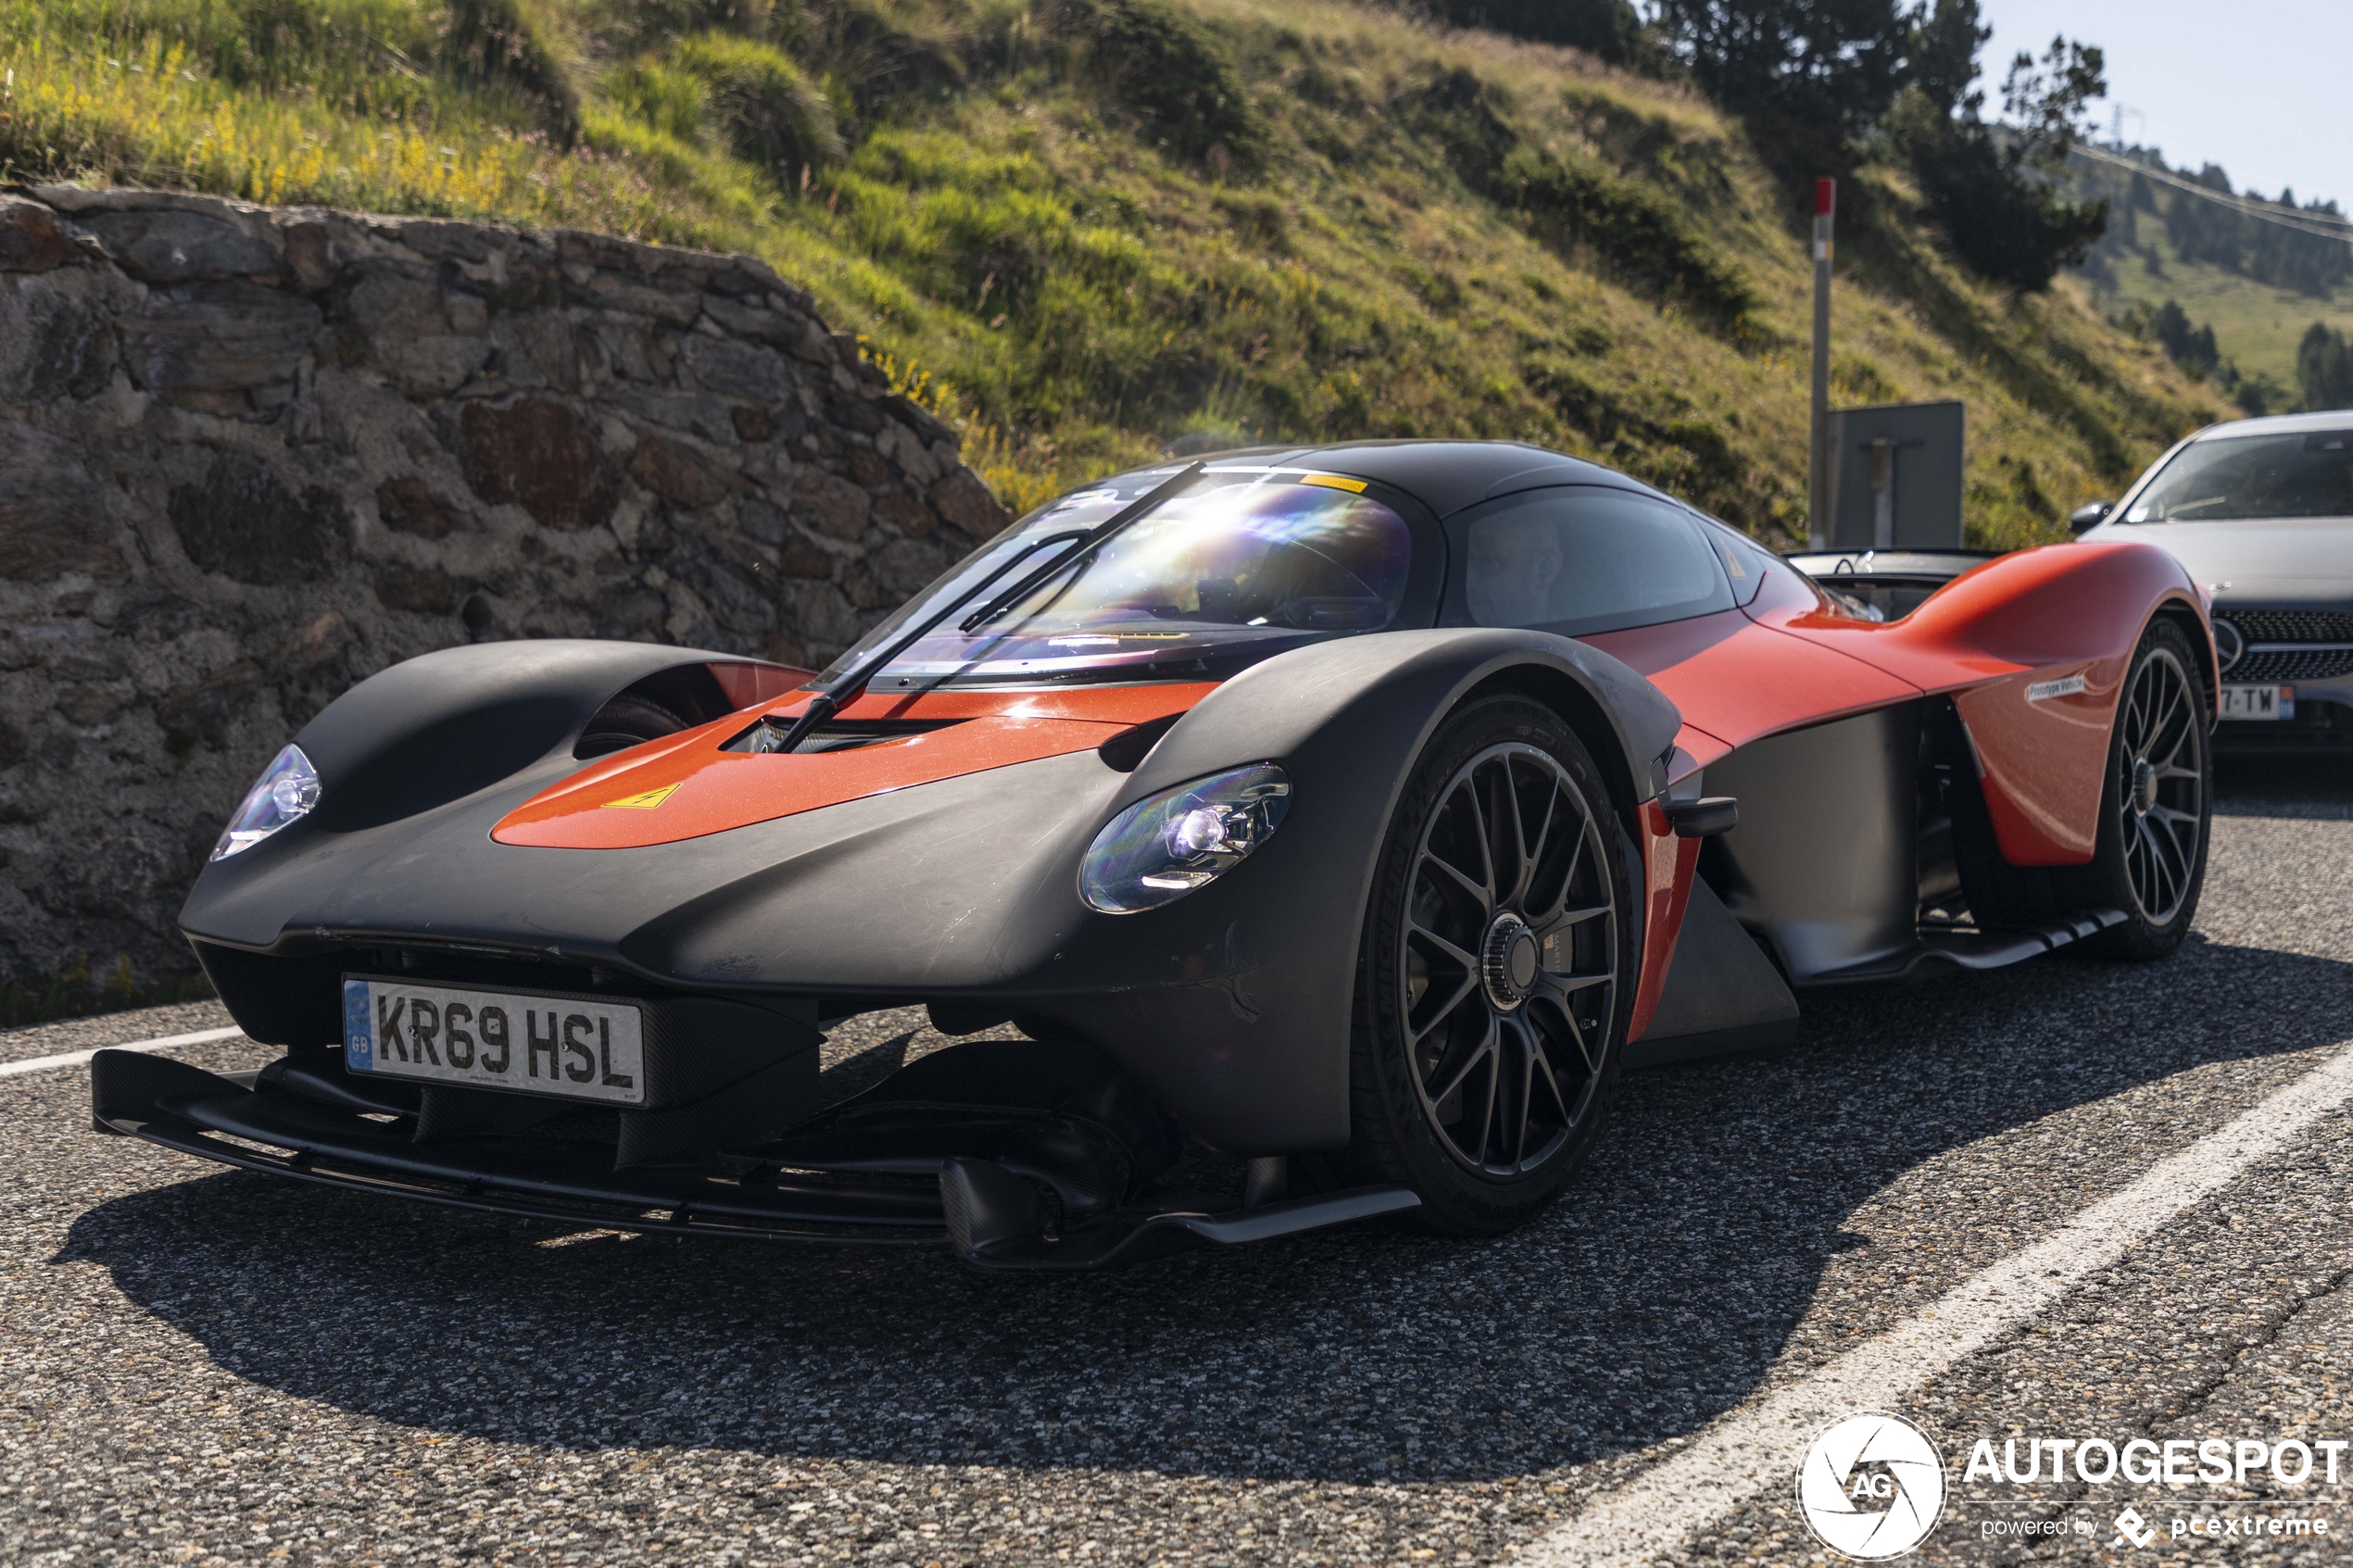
(2260, 511)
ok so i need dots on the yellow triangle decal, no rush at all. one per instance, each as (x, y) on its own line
(644, 802)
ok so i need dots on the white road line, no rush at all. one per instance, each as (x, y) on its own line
(75, 1058)
(1756, 1449)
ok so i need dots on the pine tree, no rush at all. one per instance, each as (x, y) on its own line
(2324, 369)
(1996, 197)
(1828, 67)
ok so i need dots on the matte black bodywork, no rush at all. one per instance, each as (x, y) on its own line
(1227, 1012)
(1231, 1005)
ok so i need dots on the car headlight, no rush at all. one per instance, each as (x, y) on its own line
(1183, 838)
(288, 788)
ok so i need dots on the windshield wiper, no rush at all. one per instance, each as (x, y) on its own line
(1133, 512)
(844, 691)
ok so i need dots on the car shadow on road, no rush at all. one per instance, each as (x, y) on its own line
(1652, 1298)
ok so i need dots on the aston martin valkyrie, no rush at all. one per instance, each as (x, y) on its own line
(1358, 812)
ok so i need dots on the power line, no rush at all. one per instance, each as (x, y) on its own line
(2322, 224)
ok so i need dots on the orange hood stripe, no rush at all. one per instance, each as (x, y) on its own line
(684, 786)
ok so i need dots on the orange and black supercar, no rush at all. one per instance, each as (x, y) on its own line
(1338, 809)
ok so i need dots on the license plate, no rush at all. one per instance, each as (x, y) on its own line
(2258, 702)
(576, 1047)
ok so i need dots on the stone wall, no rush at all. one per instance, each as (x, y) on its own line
(248, 457)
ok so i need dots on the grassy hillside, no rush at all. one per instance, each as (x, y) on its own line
(2256, 324)
(1084, 227)
(2139, 265)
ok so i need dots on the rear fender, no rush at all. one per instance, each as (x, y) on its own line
(2033, 649)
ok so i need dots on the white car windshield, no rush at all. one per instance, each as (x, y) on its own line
(1242, 567)
(2239, 478)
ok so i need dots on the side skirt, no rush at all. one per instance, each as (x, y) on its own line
(1941, 952)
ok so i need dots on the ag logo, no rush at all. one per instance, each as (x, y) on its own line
(1872, 1486)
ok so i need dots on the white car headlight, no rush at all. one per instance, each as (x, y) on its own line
(1161, 849)
(288, 788)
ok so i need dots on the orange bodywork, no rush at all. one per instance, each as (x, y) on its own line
(684, 786)
(1668, 864)
(2007, 641)
(1789, 659)
(1998, 640)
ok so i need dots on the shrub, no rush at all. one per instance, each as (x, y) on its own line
(2324, 368)
(1170, 72)
(767, 109)
(675, 102)
(1464, 116)
(1828, 68)
(649, 24)
(1632, 230)
(2192, 348)
(1657, 436)
(74, 992)
(507, 44)
(883, 57)
(2003, 218)
(1608, 30)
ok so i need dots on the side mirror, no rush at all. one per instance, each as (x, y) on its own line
(2086, 518)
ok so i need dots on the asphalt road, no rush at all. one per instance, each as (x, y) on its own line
(201, 1366)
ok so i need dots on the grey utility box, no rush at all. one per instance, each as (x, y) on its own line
(1896, 482)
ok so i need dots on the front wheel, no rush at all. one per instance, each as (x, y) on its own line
(2157, 804)
(1497, 972)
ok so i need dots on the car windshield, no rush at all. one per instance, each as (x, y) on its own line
(1239, 568)
(2231, 479)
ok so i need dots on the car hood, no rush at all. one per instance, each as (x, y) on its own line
(2291, 561)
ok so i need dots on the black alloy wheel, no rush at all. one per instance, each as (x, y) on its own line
(2161, 784)
(1498, 973)
(2156, 804)
(1506, 978)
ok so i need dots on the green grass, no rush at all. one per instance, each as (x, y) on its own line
(2256, 325)
(1082, 227)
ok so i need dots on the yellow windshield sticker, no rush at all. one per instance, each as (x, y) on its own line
(644, 802)
(1334, 481)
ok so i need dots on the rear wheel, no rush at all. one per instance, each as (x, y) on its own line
(2156, 803)
(1497, 972)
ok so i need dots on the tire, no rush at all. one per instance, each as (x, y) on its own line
(2157, 804)
(628, 719)
(1483, 1085)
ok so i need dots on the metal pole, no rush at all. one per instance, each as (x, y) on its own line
(1818, 504)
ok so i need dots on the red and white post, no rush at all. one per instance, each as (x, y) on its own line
(1818, 512)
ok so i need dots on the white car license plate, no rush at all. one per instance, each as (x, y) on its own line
(577, 1047)
(2258, 702)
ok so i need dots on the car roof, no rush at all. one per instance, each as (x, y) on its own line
(2279, 424)
(1445, 476)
